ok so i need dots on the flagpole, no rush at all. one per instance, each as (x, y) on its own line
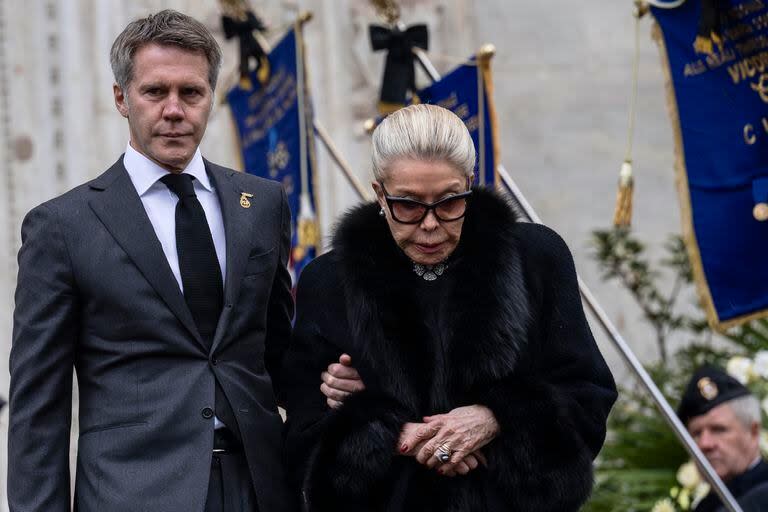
(304, 172)
(340, 162)
(481, 126)
(618, 341)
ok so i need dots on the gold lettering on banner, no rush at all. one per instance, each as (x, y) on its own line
(738, 32)
(743, 10)
(694, 68)
(761, 87)
(269, 106)
(748, 67)
(462, 111)
(716, 60)
(749, 134)
(449, 102)
(754, 44)
(472, 123)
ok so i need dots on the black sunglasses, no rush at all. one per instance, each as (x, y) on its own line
(410, 211)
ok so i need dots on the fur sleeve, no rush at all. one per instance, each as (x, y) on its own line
(539, 459)
(553, 410)
(356, 452)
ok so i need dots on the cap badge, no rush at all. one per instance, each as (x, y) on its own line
(707, 388)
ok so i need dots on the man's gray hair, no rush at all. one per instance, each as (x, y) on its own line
(747, 409)
(422, 132)
(166, 27)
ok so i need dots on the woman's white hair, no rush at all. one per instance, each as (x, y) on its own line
(423, 132)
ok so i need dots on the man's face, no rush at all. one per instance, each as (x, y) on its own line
(728, 445)
(167, 104)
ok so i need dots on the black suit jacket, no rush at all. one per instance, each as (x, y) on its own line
(95, 293)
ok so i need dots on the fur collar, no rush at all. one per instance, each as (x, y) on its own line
(485, 314)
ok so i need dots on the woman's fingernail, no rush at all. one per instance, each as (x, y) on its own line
(404, 448)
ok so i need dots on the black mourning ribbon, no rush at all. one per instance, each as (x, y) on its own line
(399, 72)
(249, 45)
(710, 25)
(200, 274)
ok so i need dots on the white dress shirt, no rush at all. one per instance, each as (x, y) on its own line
(160, 204)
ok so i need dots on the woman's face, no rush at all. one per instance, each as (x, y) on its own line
(431, 240)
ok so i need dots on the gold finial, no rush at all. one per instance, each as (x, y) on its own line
(369, 125)
(236, 9)
(389, 10)
(305, 16)
(641, 8)
(487, 51)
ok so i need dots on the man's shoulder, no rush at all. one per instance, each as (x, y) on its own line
(81, 193)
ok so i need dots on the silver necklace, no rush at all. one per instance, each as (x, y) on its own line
(430, 272)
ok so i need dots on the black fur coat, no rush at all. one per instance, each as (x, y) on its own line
(513, 337)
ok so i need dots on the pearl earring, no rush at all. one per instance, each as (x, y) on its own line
(381, 212)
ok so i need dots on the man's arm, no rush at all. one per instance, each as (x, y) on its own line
(280, 311)
(45, 329)
(339, 381)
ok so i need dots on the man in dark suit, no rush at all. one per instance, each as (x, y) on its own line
(724, 419)
(163, 283)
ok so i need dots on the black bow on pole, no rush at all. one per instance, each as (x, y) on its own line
(710, 26)
(243, 29)
(399, 72)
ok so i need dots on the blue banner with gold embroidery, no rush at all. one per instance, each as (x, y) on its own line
(274, 123)
(719, 108)
(465, 91)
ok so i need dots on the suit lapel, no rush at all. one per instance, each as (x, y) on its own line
(119, 208)
(238, 228)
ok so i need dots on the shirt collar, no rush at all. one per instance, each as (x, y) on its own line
(144, 172)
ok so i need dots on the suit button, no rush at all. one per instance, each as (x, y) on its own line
(207, 413)
(214, 361)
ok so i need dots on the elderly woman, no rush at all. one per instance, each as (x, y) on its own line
(484, 389)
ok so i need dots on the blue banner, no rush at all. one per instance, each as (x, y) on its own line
(460, 92)
(719, 108)
(268, 119)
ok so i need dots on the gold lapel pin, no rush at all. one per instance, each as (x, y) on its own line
(244, 202)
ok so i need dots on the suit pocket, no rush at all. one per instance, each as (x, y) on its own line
(260, 263)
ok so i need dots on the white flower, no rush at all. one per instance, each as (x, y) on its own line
(688, 475)
(764, 442)
(684, 499)
(699, 494)
(761, 364)
(664, 505)
(740, 368)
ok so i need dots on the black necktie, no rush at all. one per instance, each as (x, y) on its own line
(200, 273)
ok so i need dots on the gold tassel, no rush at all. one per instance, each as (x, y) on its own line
(622, 215)
(245, 83)
(263, 72)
